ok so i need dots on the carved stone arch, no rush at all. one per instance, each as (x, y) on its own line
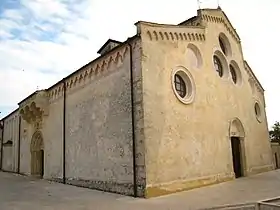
(181, 36)
(85, 74)
(171, 35)
(37, 154)
(149, 34)
(37, 142)
(185, 36)
(236, 128)
(176, 36)
(194, 56)
(193, 36)
(155, 35)
(166, 35)
(161, 35)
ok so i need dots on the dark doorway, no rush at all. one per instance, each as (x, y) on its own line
(42, 162)
(236, 156)
(276, 160)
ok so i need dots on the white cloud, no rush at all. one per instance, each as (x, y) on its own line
(51, 38)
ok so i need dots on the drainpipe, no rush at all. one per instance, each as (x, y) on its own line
(132, 120)
(19, 136)
(63, 135)
(2, 140)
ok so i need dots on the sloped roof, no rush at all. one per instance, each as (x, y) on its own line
(109, 41)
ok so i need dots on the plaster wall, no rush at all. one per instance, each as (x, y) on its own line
(189, 145)
(52, 130)
(10, 154)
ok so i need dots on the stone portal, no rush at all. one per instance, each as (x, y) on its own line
(37, 155)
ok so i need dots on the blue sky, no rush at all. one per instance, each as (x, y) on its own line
(42, 41)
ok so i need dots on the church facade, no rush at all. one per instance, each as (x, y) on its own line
(172, 108)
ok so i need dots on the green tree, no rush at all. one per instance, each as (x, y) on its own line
(274, 134)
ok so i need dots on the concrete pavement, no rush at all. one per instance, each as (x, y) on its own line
(25, 193)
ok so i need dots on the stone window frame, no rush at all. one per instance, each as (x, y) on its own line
(224, 64)
(189, 82)
(258, 111)
(224, 45)
(239, 79)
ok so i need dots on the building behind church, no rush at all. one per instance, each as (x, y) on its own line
(172, 108)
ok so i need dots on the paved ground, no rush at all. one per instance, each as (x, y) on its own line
(19, 192)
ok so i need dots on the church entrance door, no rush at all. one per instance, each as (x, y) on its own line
(236, 156)
(37, 155)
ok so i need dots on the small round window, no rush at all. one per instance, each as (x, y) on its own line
(183, 85)
(218, 65)
(233, 74)
(258, 111)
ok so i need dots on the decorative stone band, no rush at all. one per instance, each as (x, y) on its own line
(96, 68)
(221, 20)
(34, 107)
(181, 185)
(158, 35)
(169, 32)
(252, 78)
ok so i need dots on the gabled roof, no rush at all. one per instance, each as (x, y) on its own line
(109, 41)
(189, 20)
(9, 114)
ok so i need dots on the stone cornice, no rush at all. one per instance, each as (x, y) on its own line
(219, 18)
(164, 32)
(252, 77)
(95, 69)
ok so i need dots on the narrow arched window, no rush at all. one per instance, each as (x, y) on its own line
(218, 65)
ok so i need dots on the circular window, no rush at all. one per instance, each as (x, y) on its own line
(233, 74)
(218, 66)
(183, 85)
(258, 111)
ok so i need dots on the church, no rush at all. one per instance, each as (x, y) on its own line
(174, 107)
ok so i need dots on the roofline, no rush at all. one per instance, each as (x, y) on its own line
(219, 8)
(32, 94)
(9, 114)
(96, 59)
(254, 74)
(188, 20)
(104, 45)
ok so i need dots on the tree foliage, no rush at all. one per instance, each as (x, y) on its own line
(274, 134)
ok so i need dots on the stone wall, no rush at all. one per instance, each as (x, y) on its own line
(188, 145)
(98, 125)
(275, 147)
(53, 140)
(10, 142)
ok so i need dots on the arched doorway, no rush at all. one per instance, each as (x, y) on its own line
(37, 154)
(237, 135)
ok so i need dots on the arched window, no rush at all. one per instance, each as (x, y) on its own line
(233, 74)
(222, 45)
(218, 65)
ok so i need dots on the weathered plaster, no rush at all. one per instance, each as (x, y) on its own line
(178, 146)
(192, 141)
